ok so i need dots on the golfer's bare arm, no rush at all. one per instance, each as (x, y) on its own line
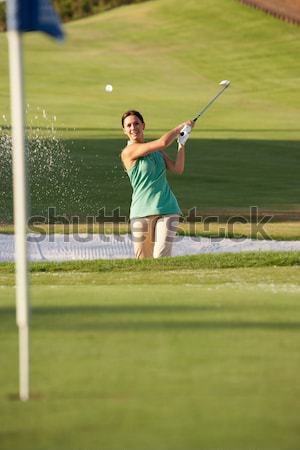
(176, 166)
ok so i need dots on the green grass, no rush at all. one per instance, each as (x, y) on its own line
(244, 152)
(196, 262)
(167, 62)
(221, 175)
(210, 364)
(170, 64)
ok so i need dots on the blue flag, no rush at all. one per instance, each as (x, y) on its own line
(33, 15)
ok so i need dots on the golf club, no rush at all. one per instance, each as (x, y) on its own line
(224, 84)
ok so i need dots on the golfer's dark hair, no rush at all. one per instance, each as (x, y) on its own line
(132, 113)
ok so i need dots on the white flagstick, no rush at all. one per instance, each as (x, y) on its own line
(20, 205)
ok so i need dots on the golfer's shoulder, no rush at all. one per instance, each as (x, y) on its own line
(129, 154)
(128, 150)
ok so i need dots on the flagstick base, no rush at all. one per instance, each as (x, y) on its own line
(24, 362)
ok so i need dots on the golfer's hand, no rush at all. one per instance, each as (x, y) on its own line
(190, 123)
(184, 133)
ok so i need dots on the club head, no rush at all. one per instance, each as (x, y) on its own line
(225, 83)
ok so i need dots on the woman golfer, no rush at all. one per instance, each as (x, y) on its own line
(154, 212)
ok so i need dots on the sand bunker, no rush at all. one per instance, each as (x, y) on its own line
(59, 247)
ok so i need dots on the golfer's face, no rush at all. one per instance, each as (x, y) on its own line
(134, 128)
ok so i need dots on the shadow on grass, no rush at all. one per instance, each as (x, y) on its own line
(175, 325)
(114, 309)
(96, 319)
(220, 173)
(190, 325)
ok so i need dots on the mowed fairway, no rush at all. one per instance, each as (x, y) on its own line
(194, 359)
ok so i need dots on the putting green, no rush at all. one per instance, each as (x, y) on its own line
(210, 364)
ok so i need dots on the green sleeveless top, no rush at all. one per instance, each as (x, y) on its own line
(151, 191)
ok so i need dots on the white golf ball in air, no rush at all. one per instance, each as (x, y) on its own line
(108, 88)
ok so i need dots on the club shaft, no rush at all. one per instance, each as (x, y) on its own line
(209, 104)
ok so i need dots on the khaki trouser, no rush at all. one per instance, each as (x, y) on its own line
(153, 236)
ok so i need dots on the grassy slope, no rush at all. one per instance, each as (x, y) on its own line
(168, 67)
(212, 367)
(166, 59)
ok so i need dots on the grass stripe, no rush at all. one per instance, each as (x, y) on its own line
(206, 261)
